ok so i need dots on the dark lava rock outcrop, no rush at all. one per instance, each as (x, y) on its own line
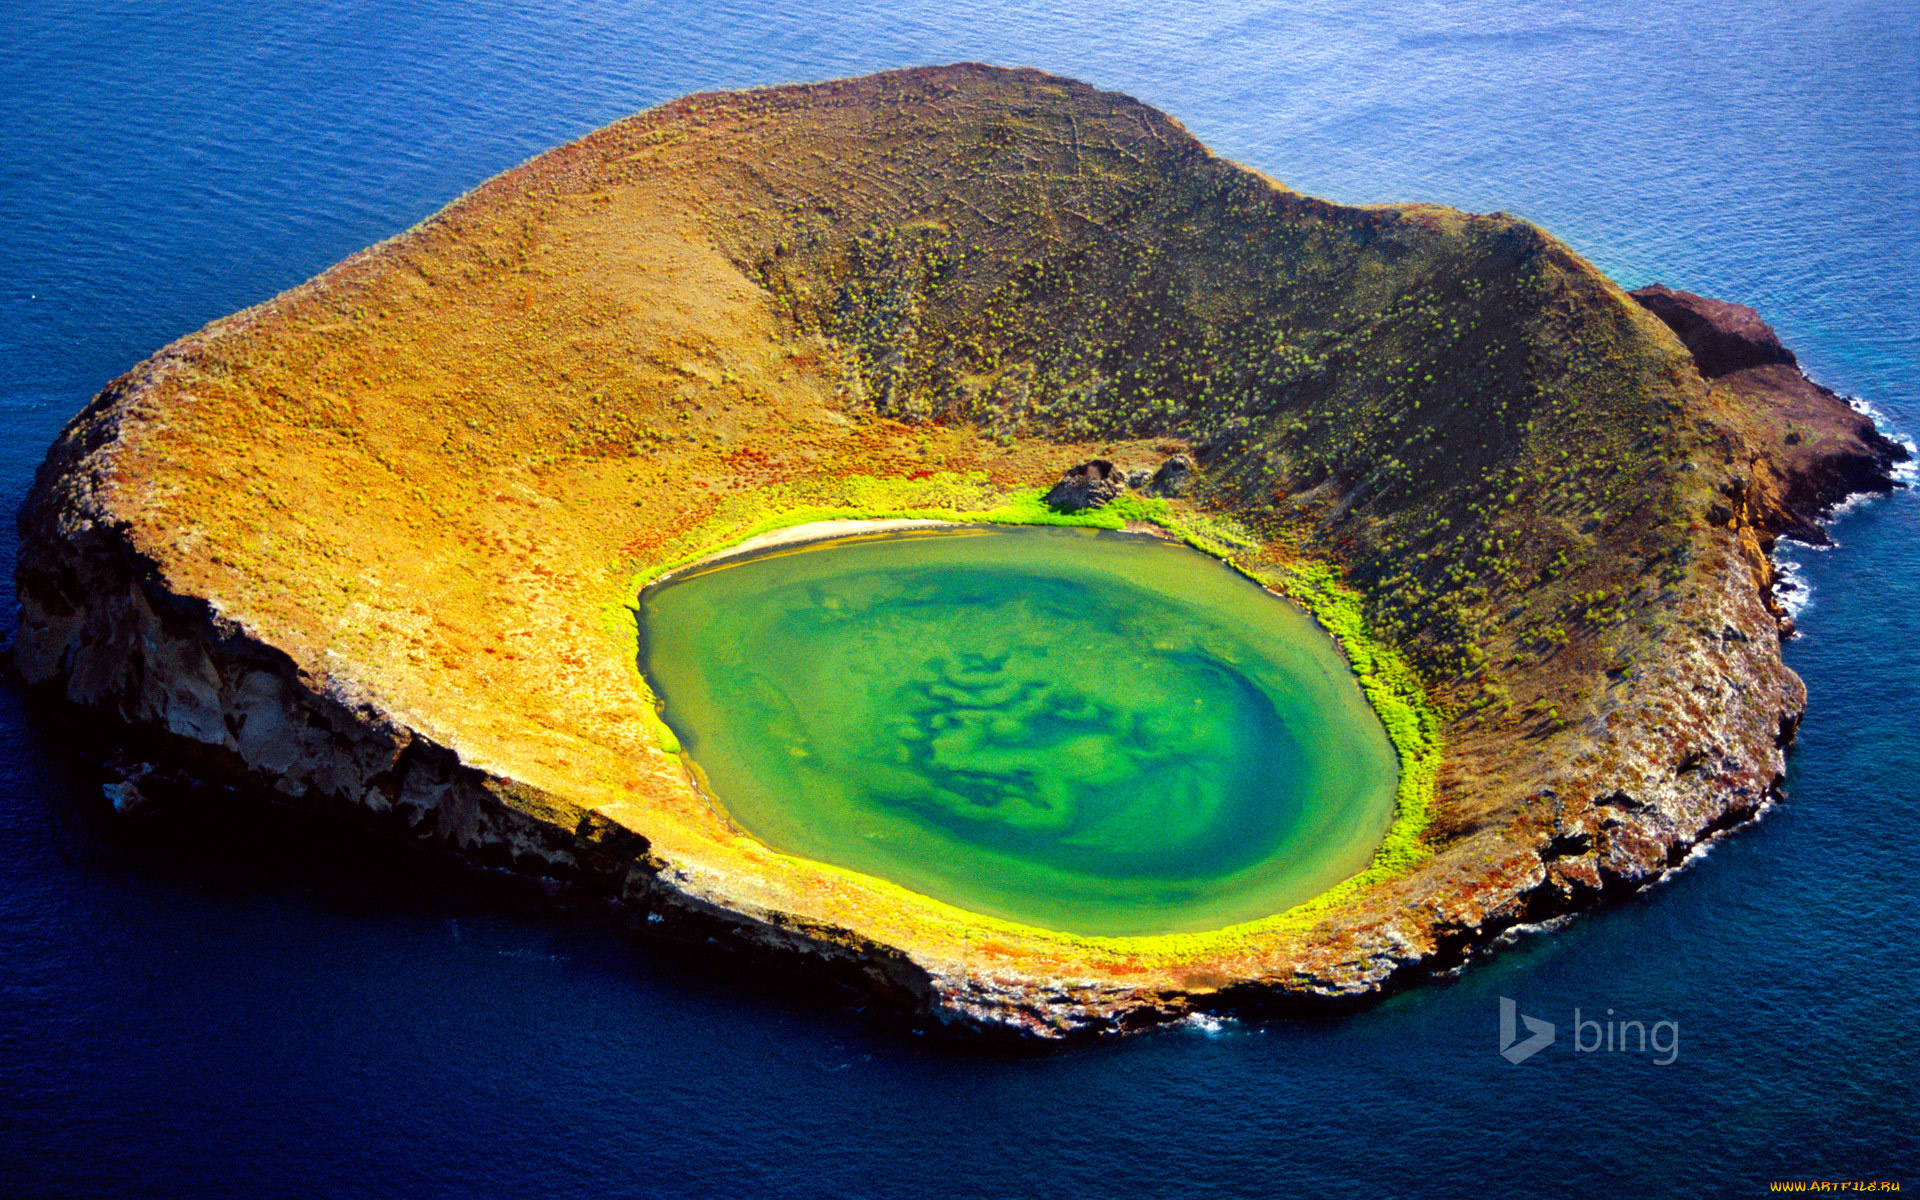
(1722, 336)
(1806, 448)
(1172, 478)
(1089, 485)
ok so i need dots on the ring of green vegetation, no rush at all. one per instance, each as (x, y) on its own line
(966, 760)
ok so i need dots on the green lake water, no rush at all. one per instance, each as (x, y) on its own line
(1086, 731)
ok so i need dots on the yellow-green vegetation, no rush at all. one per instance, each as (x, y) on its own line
(438, 473)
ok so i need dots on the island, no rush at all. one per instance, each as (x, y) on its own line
(376, 547)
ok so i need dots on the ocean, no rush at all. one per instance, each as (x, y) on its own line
(239, 1004)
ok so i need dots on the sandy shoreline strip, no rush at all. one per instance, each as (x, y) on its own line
(814, 531)
(821, 531)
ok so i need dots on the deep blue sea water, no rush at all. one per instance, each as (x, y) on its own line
(254, 1009)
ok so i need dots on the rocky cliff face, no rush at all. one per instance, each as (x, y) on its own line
(309, 549)
(101, 628)
(1693, 741)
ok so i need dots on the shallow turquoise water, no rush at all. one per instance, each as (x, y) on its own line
(223, 1009)
(1096, 732)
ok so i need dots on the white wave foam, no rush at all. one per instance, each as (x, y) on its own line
(1791, 587)
(1210, 1025)
(1705, 845)
(1907, 472)
(1854, 500)
(1514, 933)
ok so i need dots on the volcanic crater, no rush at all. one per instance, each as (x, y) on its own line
(375, 545)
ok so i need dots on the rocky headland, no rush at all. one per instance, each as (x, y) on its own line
(371, 547)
